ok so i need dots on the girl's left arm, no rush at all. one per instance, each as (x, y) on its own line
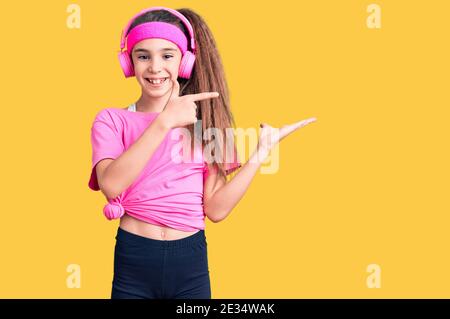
(221, 197)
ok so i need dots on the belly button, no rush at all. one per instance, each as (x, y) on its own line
(163, 234)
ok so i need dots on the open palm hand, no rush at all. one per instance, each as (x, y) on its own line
(269, 136)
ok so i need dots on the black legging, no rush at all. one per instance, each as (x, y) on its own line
(159, 269)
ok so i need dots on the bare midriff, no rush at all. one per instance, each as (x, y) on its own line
(144, 229)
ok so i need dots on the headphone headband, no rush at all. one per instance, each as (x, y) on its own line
(174, 12)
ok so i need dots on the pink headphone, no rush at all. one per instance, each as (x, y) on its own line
(188, 59)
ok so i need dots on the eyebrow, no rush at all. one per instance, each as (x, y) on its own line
(145, 50)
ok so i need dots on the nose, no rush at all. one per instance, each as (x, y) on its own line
(155, 66)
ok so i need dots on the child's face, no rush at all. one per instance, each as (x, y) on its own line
(151, 59)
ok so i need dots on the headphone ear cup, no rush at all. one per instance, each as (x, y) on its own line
(126, 64)
(186, 65)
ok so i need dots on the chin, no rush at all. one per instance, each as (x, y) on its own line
(156, 93)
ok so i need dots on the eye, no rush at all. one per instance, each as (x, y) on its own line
(167, 56)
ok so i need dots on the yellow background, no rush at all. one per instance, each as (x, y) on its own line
(364, 184)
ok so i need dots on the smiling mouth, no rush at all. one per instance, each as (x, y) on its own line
(156, 82)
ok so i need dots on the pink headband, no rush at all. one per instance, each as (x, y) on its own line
(157, 29)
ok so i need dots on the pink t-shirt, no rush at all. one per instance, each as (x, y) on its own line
(167, 192)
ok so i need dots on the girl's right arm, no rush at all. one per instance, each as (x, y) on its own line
(117, 175)
(114, 176)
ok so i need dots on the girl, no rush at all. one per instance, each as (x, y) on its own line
(161, 249)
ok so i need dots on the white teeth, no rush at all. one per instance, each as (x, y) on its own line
(158, 81)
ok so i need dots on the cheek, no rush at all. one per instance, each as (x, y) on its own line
(174, 70)
(176, 66)
(137, 67)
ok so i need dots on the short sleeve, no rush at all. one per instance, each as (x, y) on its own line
(106, 142)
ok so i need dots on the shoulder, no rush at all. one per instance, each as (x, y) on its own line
(109, 119)
(110, 115)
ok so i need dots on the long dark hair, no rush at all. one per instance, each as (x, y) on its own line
(207, 76)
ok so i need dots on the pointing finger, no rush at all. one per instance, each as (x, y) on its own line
(203, 96)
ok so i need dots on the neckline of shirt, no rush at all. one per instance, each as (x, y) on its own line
(132, 109)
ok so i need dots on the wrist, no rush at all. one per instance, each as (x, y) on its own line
(260, 155)
(163, 121)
